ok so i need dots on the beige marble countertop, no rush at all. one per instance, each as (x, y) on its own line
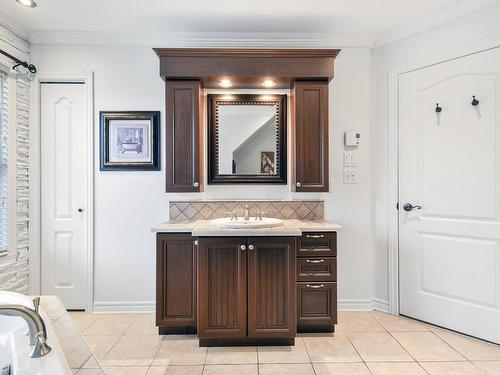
(201, 228)
(78, 355)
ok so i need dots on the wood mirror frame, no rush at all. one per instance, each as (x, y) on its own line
(279, 101)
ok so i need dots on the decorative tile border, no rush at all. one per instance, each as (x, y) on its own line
(199, 210)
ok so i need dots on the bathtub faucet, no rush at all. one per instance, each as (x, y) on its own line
(37, 331)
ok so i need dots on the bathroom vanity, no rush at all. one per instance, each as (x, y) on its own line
(246, 286)
(240, 280)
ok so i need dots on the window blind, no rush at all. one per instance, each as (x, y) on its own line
(4, 141)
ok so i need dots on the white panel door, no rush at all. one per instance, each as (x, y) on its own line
(450, 166)
(64, 146)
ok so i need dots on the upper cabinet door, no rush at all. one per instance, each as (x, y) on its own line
(183, 143)
(311, 136)
(271, 287)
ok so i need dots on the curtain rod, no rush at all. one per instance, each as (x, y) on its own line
(31, 68)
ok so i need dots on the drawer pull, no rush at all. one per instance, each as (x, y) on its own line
(315, 261)
(314, 236)
(315, 286)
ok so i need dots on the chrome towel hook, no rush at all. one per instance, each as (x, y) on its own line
(474, 102)
(438, 108)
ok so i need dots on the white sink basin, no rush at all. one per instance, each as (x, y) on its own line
(240, 223)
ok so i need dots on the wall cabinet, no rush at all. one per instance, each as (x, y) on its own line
(317, 282)
(310, 136)
(183, 137)
(245, 289)
(175, 283)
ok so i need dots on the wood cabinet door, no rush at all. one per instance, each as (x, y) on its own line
(175, 281)
(271, 287)
(222, 287)
(311, 136)
(316, 304)
(183, 137)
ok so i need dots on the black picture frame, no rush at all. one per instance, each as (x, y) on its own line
(216, 100)
(153, 117)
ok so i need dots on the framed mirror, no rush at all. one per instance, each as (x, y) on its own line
(247, 139)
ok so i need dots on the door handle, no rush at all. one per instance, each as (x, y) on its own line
(409, 207)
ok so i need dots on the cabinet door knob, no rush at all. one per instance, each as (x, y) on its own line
(195, 242)
(243, 247)
(80, 210)
(298, 184)
(251, 247)
(196, 184)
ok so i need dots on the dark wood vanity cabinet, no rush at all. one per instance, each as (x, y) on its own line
(317, 282)
(246, 289)
(175, 283)
(183, 136)
(310, 136)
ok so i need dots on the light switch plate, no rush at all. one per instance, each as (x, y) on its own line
(351, 158)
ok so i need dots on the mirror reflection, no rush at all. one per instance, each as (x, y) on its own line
(247, 139)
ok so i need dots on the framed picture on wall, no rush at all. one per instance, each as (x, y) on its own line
(130, 140)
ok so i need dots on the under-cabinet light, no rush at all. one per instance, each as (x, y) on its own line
(268, 83)
(225, 83)
(27, 3)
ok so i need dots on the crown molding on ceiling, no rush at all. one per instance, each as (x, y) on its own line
(11, 41)
(246, 40)
(439, 17)
(222, 40)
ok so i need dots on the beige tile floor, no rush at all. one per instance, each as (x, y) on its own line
(364, 344)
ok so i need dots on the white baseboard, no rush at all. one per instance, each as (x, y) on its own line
(124, 307)
(381, 305)
(355, 305)
(149, 306)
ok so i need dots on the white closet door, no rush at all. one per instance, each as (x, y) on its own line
(450, 165)
(64, 146)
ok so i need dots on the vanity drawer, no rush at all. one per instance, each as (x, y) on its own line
(316, 306)
(317, 269)
(317, 244)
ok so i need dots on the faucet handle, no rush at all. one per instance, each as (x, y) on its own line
(233, 214)
(36, 303)
(259, 214)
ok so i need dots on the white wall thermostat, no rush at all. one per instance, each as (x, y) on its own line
(351, 138)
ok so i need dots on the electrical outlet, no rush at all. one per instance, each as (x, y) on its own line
(350, 175)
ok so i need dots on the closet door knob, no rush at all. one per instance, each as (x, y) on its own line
(298, 184)
(195, 184)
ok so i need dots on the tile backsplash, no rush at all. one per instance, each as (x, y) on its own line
(196, 210)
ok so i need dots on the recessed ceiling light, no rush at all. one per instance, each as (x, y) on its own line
(225, 83)
(27, 3)
(268, 83)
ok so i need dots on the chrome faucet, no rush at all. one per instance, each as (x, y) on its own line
(36, 327)
(247, 212)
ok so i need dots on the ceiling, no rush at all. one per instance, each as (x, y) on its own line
(285, 22)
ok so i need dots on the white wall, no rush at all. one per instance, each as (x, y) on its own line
(444, 42)
(126, 78)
